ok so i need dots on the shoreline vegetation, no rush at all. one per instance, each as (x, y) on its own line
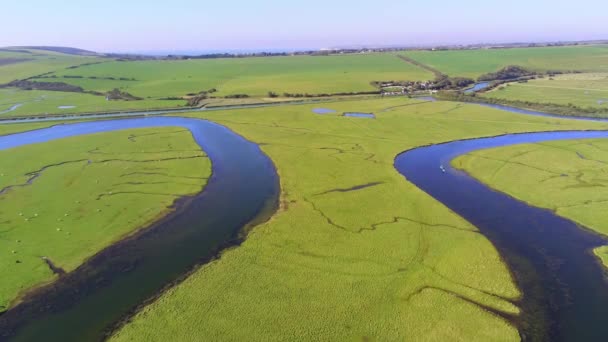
(515, 74)
(254, 270)
(550, 108)
(566, 196)
(110, 165)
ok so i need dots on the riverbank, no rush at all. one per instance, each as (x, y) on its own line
(555, 109)
(98, 176)
(156, 112)
(559, 176)
(366, 261)
(567, 298)
(135, 269)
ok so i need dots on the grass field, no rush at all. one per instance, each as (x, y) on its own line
(355, 251)
(473, 63)
(252, 76)
(568, 177)
(37, 102)
(36, 62)
(70, 198)
(22, 103)
(155, 81)
(582, 90)
(21, 127)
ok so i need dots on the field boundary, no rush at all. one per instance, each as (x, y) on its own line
(436, 72)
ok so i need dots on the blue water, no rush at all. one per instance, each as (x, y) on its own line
(323, 111)
(477, 87)
(360, 115)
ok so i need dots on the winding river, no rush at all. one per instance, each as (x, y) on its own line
(86, 303)
(564, 285)
(565, 291)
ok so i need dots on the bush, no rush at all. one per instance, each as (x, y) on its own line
(510, 72)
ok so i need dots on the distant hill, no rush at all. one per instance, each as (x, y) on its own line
(59, 49)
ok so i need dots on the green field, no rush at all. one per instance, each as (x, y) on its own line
(473, 63)
(251, 76)
(355, 251)
(21, 127)
(568, 177)
(159, 83)
(36, 62)
(582, 90)
(40, 102)
(68, 199)
(383, 262)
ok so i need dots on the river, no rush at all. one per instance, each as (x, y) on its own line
(564, 285)
(84, 304)
(565, 291)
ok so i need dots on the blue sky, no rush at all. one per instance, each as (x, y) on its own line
(198, 25)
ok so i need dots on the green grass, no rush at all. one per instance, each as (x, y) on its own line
(39, 102)
(157, 80)
(385, 262)
(582, 90)
(252, 76)
(602, 253)
(567, 177)
(473, 63)
(21, 127)
(90, 192)
(39, 62)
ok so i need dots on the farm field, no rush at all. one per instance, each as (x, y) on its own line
(567, 177)
(355, 251)
(20, 64)
(64, 201)
(474, 63)
(582, 90)
(252, 76)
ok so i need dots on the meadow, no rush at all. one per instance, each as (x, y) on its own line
(567, 177)
(169, 83)
(35, 62)
(474, 63)
(252, 76)
(41, 102)
(22, 127)
(355, 251)
(582, 90)
(165, 84)
(63, 201)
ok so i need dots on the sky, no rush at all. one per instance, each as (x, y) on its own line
(242, 25)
